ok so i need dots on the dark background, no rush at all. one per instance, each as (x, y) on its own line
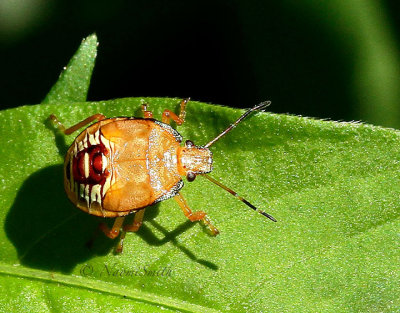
(337, 59)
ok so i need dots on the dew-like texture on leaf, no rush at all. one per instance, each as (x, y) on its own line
(333, 187)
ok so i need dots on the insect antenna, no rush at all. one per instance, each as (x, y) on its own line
(239, 197)
(260, 106)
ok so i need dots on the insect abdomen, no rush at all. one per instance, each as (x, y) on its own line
(87, 177)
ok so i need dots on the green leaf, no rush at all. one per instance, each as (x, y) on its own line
(73, 83)
(333, 187)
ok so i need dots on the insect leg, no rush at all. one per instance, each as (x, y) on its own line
(75, 127)
(114, 231)
(146, 113)
(120, 246)
(168, 115)
(195, 216)
(137, 222)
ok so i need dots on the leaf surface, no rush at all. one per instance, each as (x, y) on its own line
(333, 187)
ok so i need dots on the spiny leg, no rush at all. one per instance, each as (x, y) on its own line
(195, 216)
(168, 115)
(75, 127)
(146, 113)
(112, 232)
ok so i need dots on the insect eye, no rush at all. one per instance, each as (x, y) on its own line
(190, 176)
(189, 144)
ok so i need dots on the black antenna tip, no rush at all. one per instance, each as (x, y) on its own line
(259, 211)
(269, 216)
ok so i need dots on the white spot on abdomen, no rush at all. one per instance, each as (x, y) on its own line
(93, 139)
(103, 162)
(80, 146)
(95, 195)
(86, 164)
(107, 185)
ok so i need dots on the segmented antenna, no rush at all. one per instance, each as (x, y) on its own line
(239, 197)
(260, 106)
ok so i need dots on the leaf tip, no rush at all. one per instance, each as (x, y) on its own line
(91, 39)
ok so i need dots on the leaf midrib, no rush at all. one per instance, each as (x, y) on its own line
(101, 287)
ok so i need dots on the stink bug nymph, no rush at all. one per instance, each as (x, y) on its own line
(121, 165)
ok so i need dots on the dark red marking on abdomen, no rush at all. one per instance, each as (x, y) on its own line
(95, 166)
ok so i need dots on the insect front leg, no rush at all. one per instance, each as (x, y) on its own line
(75, 127)
(168, 115)
(195, 216)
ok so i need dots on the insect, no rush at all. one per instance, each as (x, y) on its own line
(121, 165)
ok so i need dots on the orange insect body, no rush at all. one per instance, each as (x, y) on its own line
(120, 165)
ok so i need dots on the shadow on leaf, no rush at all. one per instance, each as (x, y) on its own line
(50, 234)
(47, 231)
(171, 236)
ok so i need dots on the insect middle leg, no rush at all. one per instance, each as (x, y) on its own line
(137, 222)
(112, 232)
(75, 127)
(168, 115)
(195, 216)
(134, 227)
